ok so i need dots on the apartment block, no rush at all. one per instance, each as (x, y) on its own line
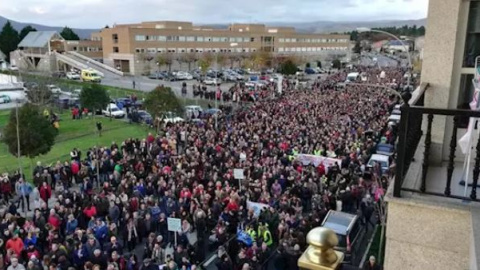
(123, 44)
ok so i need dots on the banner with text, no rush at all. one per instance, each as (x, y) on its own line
(317, 160)
(256, 207)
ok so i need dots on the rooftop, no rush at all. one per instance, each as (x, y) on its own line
(39, 39)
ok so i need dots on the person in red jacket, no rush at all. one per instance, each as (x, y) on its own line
(6, 188)
(16, 244)
(45, 192)
(54, 220)
(90, 211)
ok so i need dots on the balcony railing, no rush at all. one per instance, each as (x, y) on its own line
(410, 134)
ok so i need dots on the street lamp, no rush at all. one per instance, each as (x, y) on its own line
(366, 29)
(18, 136)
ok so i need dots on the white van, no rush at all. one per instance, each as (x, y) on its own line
(113, 111)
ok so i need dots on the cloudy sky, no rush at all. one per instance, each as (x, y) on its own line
(98, 13)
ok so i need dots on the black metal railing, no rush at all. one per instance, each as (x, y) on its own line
(409, 136)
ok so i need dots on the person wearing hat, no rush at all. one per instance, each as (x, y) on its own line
(148, 265)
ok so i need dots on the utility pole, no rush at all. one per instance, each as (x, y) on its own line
(18, 138)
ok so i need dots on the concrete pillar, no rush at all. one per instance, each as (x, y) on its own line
(443, 41)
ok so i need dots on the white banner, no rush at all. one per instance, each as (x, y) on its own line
(174, 224)
(317, 160)
(238, 174)
(256, 207)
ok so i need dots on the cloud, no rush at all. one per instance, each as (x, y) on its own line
(97, 13)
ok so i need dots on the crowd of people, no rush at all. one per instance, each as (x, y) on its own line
(112, 203)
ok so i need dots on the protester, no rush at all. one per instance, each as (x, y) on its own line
(101, 217)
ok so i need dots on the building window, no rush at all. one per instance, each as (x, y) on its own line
(181, 38)
(472, 44)
(200, 39)
(162, 38)
(190, 39)
(232, 39)
(216, 39)
(252, 39)
(208, 39)
(140, 38)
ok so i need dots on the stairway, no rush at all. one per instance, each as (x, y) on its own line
(70, 61)
(97, 65)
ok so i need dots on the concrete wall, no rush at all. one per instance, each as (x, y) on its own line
(444, 44)
(427, 236)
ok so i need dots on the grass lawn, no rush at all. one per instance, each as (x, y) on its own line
(4, 115)
(74, 133)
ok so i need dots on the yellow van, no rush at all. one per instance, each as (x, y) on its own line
(90, 75)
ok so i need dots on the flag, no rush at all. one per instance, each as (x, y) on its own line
(465, 141)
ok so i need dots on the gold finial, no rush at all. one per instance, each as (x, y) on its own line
(320, 255)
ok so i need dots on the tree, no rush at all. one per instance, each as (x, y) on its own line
(221, 59)
(162, 100)
(36, 133)
(189, 58)
(336, 64)
(205, 62)
(307, 65)
(40, 94)
(357, 48)
(94, 97)
(9, 39)
(165, 59)
(319, 64)
(68, 34)
(288, 67)
(24, 32)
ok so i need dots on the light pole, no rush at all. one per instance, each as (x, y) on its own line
(18, 137)
(410, 66)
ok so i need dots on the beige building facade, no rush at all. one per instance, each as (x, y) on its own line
(122, 44)
(426, 227)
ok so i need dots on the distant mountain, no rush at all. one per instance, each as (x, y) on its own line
(82, 33)
(330, 26)
(307, 27)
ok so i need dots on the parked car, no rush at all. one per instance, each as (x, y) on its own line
(385, 149)
(212, 81)
(310, 71)
(58, 74)
(54, 89)
(193, 110)
(350, 234)
(182, 75)
(141, 116)
(171, 117)
(5, 99)
(212, 111)
(156, 76)
(112, 110)
(73, 76)
(123, 102)
(382, 160)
